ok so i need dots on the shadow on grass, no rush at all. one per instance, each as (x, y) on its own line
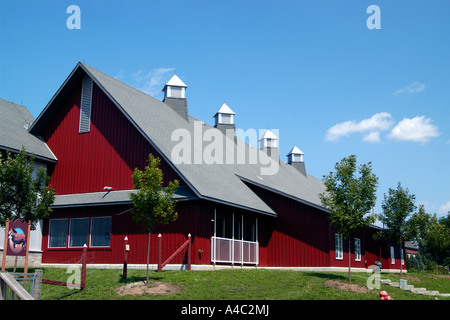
(132, 279)
(328, 276)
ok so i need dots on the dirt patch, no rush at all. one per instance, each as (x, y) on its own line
(155, 287)
(437, 276)
(346, 286)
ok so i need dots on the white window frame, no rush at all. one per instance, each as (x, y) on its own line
(338, 246)
(357, 249)
(392, 255)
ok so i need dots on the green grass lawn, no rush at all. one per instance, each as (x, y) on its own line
(239, 284)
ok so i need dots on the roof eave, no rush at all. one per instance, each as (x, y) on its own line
(311, 204)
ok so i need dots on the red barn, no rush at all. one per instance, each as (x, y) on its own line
(242, 205)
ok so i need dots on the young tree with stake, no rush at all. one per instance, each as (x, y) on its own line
(153, 204)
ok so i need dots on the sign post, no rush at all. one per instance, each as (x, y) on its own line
(5, 245)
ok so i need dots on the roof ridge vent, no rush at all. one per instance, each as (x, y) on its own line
(269, 144)
(175, 96)
(224, 119)
(295, 159)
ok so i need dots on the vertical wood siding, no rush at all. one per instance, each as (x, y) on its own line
(298, 237)
(105, 156)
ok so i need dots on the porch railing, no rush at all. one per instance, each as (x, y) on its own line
(10, 289)
(233, 251)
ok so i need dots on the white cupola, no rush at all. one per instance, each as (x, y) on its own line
(268, 140)
(175, 88)
(295, 159)
(269, 144)
(295, 155)
(224, 115)
(175, 96)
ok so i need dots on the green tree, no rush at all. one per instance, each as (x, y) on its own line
(349, 198)
(153, 203)
(397, 205)
(432, 236)
(437, 240)
(24, 194)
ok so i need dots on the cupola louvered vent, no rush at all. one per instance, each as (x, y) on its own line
(85, 108)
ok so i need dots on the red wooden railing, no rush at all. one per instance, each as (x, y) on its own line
(161, 264)
(82, 285)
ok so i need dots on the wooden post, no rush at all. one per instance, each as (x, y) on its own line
(27, 248)
(159, 253)
(5, 244)
(37, 285)
(83, 268)
(189, 252)
(125, 256)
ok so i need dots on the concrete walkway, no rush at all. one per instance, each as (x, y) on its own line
(422, 291)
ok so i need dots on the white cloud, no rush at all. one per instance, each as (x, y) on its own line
(153, 81)
(411, 88)
(418, 129)
(444, 209)
(372, 137)
(378, 122)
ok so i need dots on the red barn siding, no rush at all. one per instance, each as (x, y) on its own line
(298, 237)
(106, 156)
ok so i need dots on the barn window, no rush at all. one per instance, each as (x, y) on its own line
(100, 231)
(357, 249)
(338, 246)
(57, 233)
(85, 105)
(78, 232)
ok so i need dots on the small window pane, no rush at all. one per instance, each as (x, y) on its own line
(357, 249)
(338, 246)
(58, 233)
(392, 255)
(220, 228)
(78, 232)
(249, 232)
(175, 92)
(227, 119)
(101, 232)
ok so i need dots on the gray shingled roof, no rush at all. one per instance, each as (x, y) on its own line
(223, 183)
(15, 120)
(111, 198)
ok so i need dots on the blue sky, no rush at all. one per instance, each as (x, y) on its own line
(311, 69)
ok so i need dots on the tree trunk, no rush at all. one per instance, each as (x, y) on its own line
(148, 250)
(349, 260)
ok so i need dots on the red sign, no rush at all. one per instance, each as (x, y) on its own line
(17, 238)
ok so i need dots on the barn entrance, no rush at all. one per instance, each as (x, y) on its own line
(234, 239)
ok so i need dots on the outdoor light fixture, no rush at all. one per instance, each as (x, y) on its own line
(107, 188)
